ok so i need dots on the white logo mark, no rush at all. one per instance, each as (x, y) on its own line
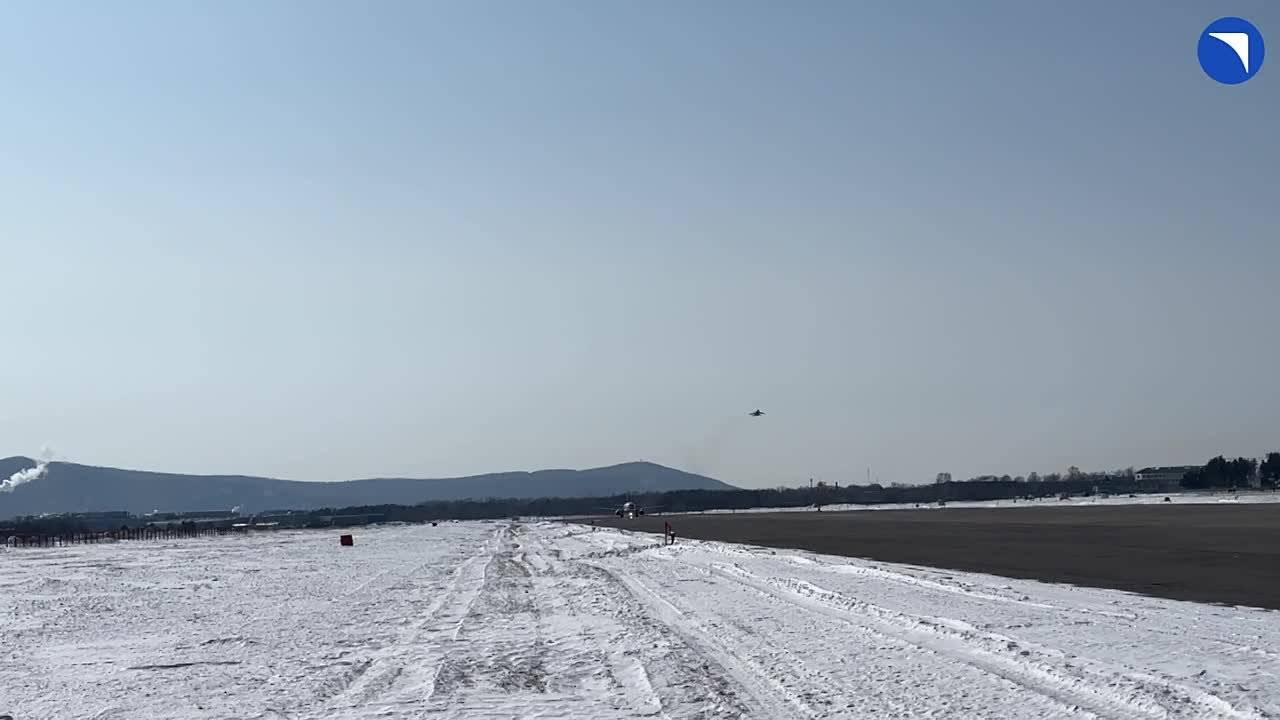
(1238, 41)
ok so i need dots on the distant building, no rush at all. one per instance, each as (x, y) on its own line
(197, 515)
(100, 515)
(943, 478)
(349, 520)
(280, 518)
(1172, 473)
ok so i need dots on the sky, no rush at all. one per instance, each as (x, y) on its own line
(325, 240)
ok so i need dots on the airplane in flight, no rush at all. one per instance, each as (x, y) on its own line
(757, 413)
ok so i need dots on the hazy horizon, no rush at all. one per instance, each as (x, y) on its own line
(790, 483)
(323, 241)
(84, 463)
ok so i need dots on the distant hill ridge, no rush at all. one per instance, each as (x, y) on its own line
(70, 487)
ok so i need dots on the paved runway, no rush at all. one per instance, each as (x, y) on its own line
(1207, 553)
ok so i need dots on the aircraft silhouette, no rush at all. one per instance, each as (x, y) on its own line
(757, 413)
(631, 511)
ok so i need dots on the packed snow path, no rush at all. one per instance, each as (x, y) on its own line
(511, 620)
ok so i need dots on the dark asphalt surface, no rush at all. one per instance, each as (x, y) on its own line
(1226, 554)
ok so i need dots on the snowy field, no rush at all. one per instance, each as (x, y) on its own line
(1197, 498)
(502, 620)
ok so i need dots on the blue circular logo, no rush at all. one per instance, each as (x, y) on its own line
(1231, 50)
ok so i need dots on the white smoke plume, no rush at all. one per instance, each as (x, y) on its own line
(235, 510)
(22, 477)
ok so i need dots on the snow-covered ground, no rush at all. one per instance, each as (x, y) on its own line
(507, 620)
(1197, 498)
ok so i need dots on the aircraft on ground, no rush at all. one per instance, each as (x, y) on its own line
(630, 510)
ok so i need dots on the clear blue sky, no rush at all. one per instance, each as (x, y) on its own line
(322, 240)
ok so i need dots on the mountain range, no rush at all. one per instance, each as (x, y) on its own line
(70, 487)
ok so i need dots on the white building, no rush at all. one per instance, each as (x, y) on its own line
(1172, 473)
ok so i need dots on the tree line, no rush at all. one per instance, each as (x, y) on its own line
(1218, 473)
(1238, 473)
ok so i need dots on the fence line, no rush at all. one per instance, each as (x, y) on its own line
(138, 534)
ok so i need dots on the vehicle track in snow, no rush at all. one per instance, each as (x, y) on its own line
(603, 634)
(942, 581)
(521, 632)
(546, 637)
(1029, 629)
(1085, 685)
(1050, 682)
(402, 671)
(772, 648)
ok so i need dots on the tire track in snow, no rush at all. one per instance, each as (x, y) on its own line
(579, 658)
(805, 665)
(536, 645)
(495, 648)
(523, 653)
(339, 605)
(772, 698)
(1166, 620)
(811, 666)
(687, 682)
(403, 667)
(1084, 685)
(606, 635)
(383, 672)
(484, 651)
(1122, 620)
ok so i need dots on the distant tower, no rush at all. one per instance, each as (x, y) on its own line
(943, 478)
